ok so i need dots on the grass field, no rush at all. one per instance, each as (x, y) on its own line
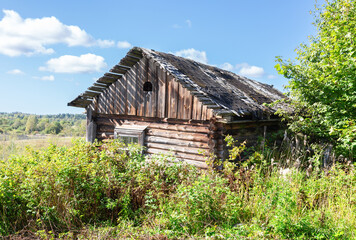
(15, 146)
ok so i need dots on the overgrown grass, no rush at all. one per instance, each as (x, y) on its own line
(104, 191)
(15, 146)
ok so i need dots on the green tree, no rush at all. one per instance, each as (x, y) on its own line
(16, 124)
(54, 128)
(322, 82)
(31, 123)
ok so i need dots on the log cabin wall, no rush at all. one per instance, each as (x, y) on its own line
(250, 131)
(168, 99)
(185, 140)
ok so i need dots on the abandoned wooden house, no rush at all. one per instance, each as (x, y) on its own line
(174, 105)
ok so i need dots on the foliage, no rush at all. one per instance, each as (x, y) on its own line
(60, 124)
(110, 191)
(322, 82)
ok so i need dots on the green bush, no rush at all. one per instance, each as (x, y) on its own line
(109, 190)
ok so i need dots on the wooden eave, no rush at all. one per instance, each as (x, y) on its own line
(86, 98)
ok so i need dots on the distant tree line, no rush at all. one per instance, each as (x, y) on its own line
(60, 124)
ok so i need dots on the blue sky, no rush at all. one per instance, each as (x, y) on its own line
(51, 51)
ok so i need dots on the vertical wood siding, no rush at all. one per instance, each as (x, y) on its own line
(169, 99)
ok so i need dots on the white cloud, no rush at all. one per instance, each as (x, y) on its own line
(189, 23)
(87, 63)
(250, 71)
(105, 43)
(124, 44)
(227, 66)
(30, 36)
(15, 72)
(199, 56)
(271, 76)
(45, 78)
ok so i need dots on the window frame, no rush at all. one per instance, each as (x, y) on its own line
(133, 131)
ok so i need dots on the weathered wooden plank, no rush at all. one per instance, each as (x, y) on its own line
(177, 142)
(178, 127)
(184, 135)
(113, 75)
(91, 131)
(197, 109)
(204, 113)
(107, 80)
(151, 108)
(111, 99)
(187, 104)
(209, 113)
(122, 95)
(99, 100)
(173, 88)
(102, 85)
(131, 91)
(107, 101)
(129, 62)
(90, 93)
(170, 124)
(169, 147)
(134, 57)
(180, 111)
(141, 76)
(96, 89)
(161, 103)
(118, 70)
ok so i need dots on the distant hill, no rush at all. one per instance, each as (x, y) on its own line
(64, 124)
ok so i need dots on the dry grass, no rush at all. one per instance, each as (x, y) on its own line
(15, 146)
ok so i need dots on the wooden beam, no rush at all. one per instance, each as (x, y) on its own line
(91, 93)
(97, 89)
(106, 80)
(122, 67)
(133, 57)
(112, 75)
(118, 70)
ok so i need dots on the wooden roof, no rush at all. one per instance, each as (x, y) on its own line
(224, 91)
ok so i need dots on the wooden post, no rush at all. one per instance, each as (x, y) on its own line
(91, 126)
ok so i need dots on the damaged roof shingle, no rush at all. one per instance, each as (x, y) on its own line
(233, 94)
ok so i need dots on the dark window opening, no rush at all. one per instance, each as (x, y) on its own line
(147, 87)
